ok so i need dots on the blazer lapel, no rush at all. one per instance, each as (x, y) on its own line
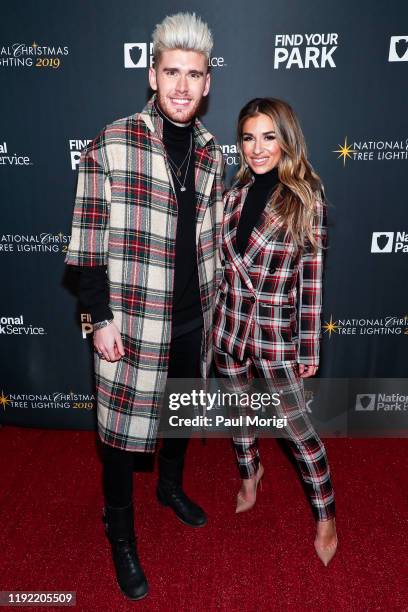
(232, 216)
(260, 236)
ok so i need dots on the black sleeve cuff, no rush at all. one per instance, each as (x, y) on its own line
(93, 292)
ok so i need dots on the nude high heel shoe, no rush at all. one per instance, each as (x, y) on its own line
(326, 553)
(244, 504)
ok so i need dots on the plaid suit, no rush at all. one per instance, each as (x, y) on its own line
(267, 320)
(269, 301)
(125, 216)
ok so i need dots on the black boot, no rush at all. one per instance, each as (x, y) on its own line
(119, 527)
(170, 492)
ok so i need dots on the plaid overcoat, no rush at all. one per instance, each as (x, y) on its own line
(125, 217)
(269, 301)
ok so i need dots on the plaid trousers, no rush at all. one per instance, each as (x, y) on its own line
(299, 433)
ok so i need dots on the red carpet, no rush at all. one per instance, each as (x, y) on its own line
(52, 538)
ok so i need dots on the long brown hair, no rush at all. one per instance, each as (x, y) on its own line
(294, 200)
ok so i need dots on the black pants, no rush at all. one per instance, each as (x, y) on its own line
(118, 464)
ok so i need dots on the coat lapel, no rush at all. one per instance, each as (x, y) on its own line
(155, 124)
(205, 169)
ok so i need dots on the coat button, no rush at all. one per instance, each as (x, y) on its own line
(223, 262)
(272, 270)
(253, 299)
(222, 294)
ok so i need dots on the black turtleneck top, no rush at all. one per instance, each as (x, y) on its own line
(258, 195)
(93, 286)
(186, 292)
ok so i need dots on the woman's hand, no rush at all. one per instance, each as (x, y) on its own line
(306, 371)
(108, 343)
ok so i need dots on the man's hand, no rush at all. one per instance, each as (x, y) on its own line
(306, 371)
(108, 343)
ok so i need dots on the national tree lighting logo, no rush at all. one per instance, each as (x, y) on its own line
(383, 326)
(4, 400)
(34, 55)
(372, 150)
(56, 400)
(46, 242)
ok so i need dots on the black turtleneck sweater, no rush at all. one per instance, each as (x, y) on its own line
(186, 293)
(93, 286)
(258, 195)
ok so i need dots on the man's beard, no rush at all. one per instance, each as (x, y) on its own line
(179, 115)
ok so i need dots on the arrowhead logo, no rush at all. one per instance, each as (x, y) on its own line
(398, 49)
(382, 242)
(135, 55)
(365, 401)
(401, 47)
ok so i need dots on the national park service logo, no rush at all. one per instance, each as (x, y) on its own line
(382, 242)
(365, 401)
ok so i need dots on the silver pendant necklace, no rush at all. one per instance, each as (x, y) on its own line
(177, 169)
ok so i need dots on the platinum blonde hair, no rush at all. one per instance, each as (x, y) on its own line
(182, 31)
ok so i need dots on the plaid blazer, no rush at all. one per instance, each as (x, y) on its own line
(269, 302)
(125, 217)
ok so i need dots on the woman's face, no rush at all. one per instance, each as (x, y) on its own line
(259, 145)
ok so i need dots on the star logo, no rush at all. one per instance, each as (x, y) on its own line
(345, 151)
(330, 327)
(34, 46)
(4, 400)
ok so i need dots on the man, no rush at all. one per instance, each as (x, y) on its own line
(145, 234)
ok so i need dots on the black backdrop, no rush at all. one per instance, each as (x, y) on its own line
(342, 66)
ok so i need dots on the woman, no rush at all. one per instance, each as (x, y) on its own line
(267, 315)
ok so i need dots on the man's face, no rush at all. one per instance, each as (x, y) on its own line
(181, 80)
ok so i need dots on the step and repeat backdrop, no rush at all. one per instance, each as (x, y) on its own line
(69, 68)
